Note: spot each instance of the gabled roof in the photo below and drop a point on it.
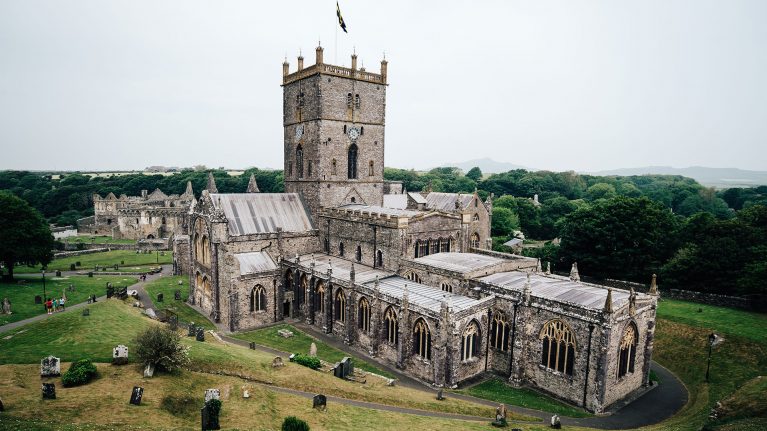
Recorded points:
(253, 213)
(417, 198)
(157, 195)
(446, 201)
(255, 262)
(396, 212)
(422, 295)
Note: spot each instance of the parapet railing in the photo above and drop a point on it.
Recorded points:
(329, 69)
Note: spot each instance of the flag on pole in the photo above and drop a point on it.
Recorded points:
(340, 18)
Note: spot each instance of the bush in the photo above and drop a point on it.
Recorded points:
(79, 373)
(307, 361)
(293, 423)
(162, 347)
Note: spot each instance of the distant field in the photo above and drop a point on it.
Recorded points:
(127, 260)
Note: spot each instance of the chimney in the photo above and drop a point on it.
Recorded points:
(319, 55)
(300, 61)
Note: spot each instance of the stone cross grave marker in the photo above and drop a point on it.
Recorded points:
(120, 355)
(319, 402)
(49, 391)
(136, 395)
(50, 367)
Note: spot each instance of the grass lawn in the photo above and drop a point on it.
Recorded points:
(496, 389)
(133, 262)
(22, 296)
(98, 239)
(300, 343)
(167, 285)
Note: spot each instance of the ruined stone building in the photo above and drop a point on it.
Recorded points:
(407, 277)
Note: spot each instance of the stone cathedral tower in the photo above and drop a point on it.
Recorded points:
(333, 118)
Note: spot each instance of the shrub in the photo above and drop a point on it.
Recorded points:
(79, 373)
(162, 347)
(307, 361)
(293, 423)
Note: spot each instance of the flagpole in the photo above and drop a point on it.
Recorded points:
(335, 48)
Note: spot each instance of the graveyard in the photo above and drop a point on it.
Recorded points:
(126, 261)
(167, 286)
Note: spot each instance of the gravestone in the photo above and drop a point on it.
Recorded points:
(173, 322)
(116, 267)
(110, 291)
(93, 298)
(58, 273)
(200, 334)
(313, 350)
(338, 370)
(500, 416)
(192, 330)
(38, 299)
(252, 345)
(78, 263)
(209, 416)
(348, 366)
(555, 422)
(160, 297)
(71, 288)
(122, 293)
(149, 370)
(319, 402)
(177, 295)
(72, 267)
(284, 333)
(246, 394)
(440, 396)
(86, 311)
(90, 274)
(6, 306)
(136, 395)
(49, 391)
(212, 394)
(277, 362)
(150, 312)
(50, 367)
(120, 355)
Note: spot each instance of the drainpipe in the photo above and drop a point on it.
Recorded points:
(588, 365)
(513, 338)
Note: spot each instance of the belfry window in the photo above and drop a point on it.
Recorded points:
(422, 339)
(333, 167)
(349, 100)
(627, 353)
(357, 101)
(341, 249)
(300, 161)
(558, 347)
(309, 169)
(358, 254)
(352, 168)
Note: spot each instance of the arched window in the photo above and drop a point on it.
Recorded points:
(363, 315)
(444, 245)
(447, 287)
(499, 331)
(476, 202)
(303, 292)
(423, 248)
(258, 299)
(340, 306)
(348, 100)
(319, 297)
(358, 254)
(422, 339)
(341, 249)
(205, 250)
(352, 171)
(379, 259)
(470, 341)
(412, 276)
(558, 347)
(628, 348)
(392, 327)
(475, 240)
(434, 246)
(300, 161)
(356, 100)
(475, 218)
(370, 168)
(333, 167)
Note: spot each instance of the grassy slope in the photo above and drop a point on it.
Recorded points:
(22, 296)
(100, 239)
(168, 286)
(133, 261)
(300, 343)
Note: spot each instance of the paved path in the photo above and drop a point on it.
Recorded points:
(145, 300)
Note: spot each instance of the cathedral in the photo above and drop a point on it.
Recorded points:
(407, 277)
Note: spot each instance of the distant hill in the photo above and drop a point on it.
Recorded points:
(712, 177)
(487, 165)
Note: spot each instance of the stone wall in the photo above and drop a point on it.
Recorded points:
(708, 298)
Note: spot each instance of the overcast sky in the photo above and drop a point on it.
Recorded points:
(561, 85)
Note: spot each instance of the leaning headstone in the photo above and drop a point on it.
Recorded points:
(313, 350)
(136, 395)
(120, 355)
(86, 311)
(346, 362)
(38, 299)
(177, 295)
(319, 402)
(150, 312)
(160, 297)
(49, 391)
(200, 334)
(277, 362)
(440, 395)
(555, 422)
(149, 370)
(50, 367)
(192, 330)
(212, 394)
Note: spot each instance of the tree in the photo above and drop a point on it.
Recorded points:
(505, 222)
(26, 237)
(600, 191)
(161, 347)
(625, 238)
(474, 173)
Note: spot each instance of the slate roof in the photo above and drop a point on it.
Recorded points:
(342, 268)
(446, 201)
(419, 294)
(417, 198)
(558, 288)
(253, 213)
(513, 242)
(380, 210)
(398, 201)
(255, 262)
(459, 262)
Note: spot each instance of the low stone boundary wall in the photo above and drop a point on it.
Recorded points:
(708, 298)
(61, 254)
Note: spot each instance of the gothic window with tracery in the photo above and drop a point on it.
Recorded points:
(422, 339)
(392, 326)
(499, 331)
(412, 276)
(319, 297)
(444, 245)
(340, 305)
(627, 353)
(470, 341)
(558, 347)
(363, 321)
(258, 299)
(475, 240)
(447, 287)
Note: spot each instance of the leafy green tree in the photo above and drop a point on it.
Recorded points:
(474, 173)
(625, 238)
(551, 212)
(26, 237)
(600, 191)
(504, 222)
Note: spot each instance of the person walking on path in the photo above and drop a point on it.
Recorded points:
(55, 305)
(61, 304)
(48, 305)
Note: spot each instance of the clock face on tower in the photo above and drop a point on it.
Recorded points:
(354, 133)
(299, 131)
